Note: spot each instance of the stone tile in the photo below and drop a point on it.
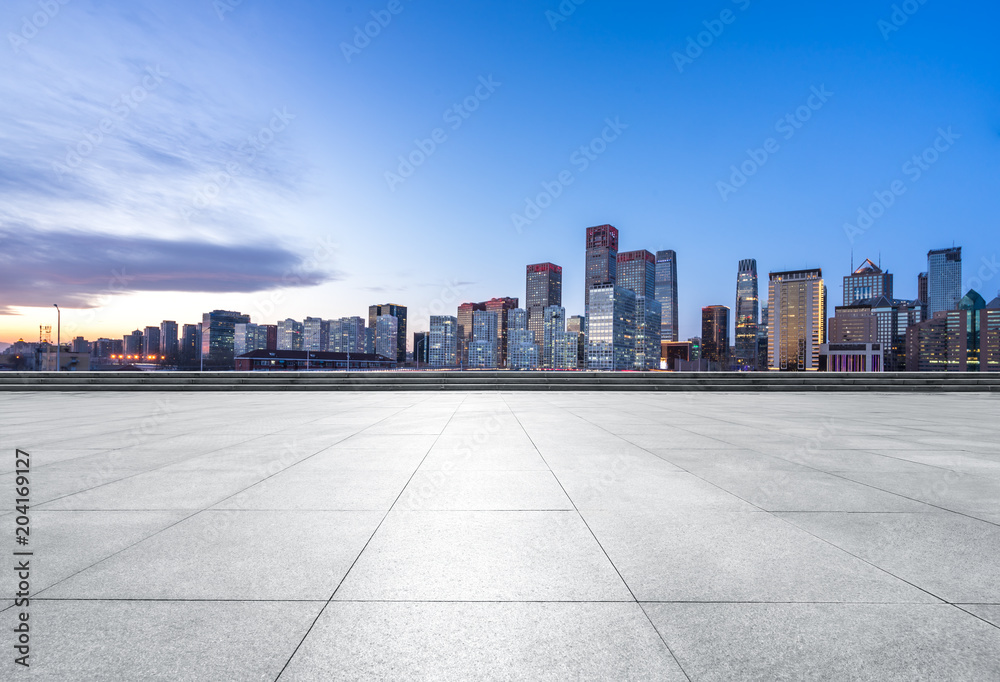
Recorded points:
(949, 555)
(170, 641)
(237, 555)
(735, 556)
(297, 488)
(968, 493)
(988, 612)
(827, 641)
(483, 491)
(531, 641)
(483, 556)
(622, 489)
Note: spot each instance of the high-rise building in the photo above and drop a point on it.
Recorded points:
(867, 281)
(577, 325)
(554, 324)
(747, 302)
(81, 345)
(797, 329)
(989, 357)
(881, 321)
(316, 334)
(565, 350)
(399, 312)
(169, 343)
(290, 334)
(647, 333)
(762, 333)
(421, 346)
(218, 329)
(715, 336)
(151, 343)
(543, 288)
(611, 328)
(601, 265)
(484, 349)
(922, 288)
(190, 346)
(944, 280)
(443, 348)
(666, 294)
(637, 271)
(522, 351)
(501, 306)
(244, 335)
(961, 340)
(465, 312)
(348, 335)
(386, 336)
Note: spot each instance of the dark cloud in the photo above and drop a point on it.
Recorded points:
(77, 269)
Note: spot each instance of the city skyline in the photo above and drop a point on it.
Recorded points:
(164, 217)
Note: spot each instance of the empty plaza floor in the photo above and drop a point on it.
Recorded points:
(515, 535)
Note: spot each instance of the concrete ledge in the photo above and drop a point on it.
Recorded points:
(498, 380)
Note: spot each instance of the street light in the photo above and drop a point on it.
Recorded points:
(58, 337)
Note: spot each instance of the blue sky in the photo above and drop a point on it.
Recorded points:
(244, 153)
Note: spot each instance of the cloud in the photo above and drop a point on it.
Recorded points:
(77, 269)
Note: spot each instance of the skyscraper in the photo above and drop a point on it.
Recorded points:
(133, 343)
(762, 332)
(501, 306)
(465, 311)
(648, 314)
(944, 280)
(543, 287)
(554, 326)
(577, 325)
(348, 335)
(611, 328)
(443, 347)
(666, 293)
(522, 351)
(218, 330)
(399, 312)
(602, 258)
(797, 329)
(715, 335)
(922, 288)
(316, 334)
(421, 345)
(867, 281)
(484, 349)
(637, 271)
(747, 301)
(190, 343)
(151, 343)
(168, 340)
(289, 334)
(386, 336)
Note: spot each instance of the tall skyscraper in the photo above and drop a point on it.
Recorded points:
(399, 312)
(762, 332)
(522, 351)
(747, 301)
(577, 326)
(421, 346)
(648, 313)
(501, 306)
(386, 336)
(151, 343)
(554, 325)
(465, 312)
(666, 293)
(316, 334)
(543, 287)
(190, 344)
(944, 280)
(715, 335)
(348, 335)
(867, 281)
(218, 329)
(484, 350)
(611, 328)
(797, 329)
(169, 345)
(601, 265)
(637, 271)
(290, 334)
(922, 288)
(443, 348)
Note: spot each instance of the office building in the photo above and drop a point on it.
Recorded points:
(169, 343)
(647, 333)
(522, 351)
(543, 288)
(316, 335)
(190, 346)
(465, 312)
(882, 321)
(637, 271)
(666, 294)
(483, 350)
(443, 348)
(566, 350)
(601, 259)
(797, 328)
(922, 288)
(867, 281)
(250, 337)
(290, 334)
(133, 343)
(348, 335)
(715, 336)
(577, 324)
(762, 332)
(386, 336)
(81, 345)
(961, 340)
(611, 328)
(399, 312)
(554, 325)
(502, 307)
(747, 302)
(421, 348)
(218, 331)
(989, 324)
(944, 280)
(151, 344)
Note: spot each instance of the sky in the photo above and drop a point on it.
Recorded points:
(159, 160)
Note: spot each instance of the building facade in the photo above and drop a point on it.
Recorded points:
(218, 330)
(554, 326)
(484, 351)
(442, 350)
(421, 348)
(666, 293)
(169, 341)
(502, 307)
(316, 334)
(746, 311)
(944, 280)
(543, 288)
(465, 312)
(290, 334)
(601, 265)
(611, 328)
(387, 336)
(867, 281)
(637, 271)
(797, 319)
(715, 336)
(647, 333)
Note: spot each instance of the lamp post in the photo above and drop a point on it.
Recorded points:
(58, 337)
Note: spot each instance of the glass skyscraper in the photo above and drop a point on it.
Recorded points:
(443, 348)
(797, 325)
(386, 336)
(483, 351)
(867, 281)
(666, 293)
(218, 337)
(602, 258)
(399, 312)
(747, 302)
(637, 271)
(611, 328)
(543, 287)
(715, 335)
(944, 280)
(648, 314)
